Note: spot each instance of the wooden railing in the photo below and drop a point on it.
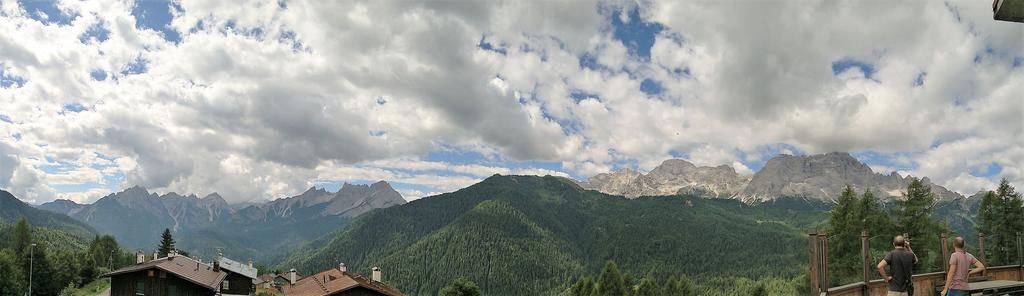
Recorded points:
(924, 284)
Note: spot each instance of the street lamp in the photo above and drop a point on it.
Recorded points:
(31, 259)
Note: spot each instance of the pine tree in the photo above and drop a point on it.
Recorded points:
(22, 239)
(870, 215)
(460, 287)
(166, 243)
(583, 287)
(647, 287)
(845, 227)
(610, 282)
(679, 286)
(990, 216)
(1013, 221)
(759, 290)
(11, 280)
(914, 217)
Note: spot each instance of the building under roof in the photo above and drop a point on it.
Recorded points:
(177, 275)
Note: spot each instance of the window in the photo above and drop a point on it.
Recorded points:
(224, 285)
(140, 288)
(172, 290)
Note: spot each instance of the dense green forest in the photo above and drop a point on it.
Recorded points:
(59, 262)
(528, 235)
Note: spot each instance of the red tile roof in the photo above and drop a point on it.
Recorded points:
(333, 281)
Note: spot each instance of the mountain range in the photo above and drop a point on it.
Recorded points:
(821, 176)
(531, 235)
(136, 217)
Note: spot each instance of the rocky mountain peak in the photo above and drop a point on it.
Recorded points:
(673, 176)
(820, 176)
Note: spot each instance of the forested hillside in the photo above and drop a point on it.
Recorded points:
(527, 235)
(12, 209)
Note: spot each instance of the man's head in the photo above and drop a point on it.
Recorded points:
(899, 242)
(958, 242)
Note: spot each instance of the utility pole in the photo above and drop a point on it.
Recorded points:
(31, 261)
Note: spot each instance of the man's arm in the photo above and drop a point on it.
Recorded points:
(978, 268)
(949, 278)
(912, 252)
(881, 270)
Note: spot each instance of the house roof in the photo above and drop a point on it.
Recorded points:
(333, 281)
(182, 267)
(237, 267)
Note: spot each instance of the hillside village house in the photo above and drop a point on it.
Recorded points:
(177, 275)
(337, 282)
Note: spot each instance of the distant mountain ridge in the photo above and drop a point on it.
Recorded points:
(136, 217)
(13, 209)
(821, 176)
(531, 235)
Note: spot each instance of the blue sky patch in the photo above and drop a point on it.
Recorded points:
(589, 61)
(98, 74)
(636, 34)
(46, 11)
(74, 107)
(490, 47)
(98, 32)
(135, 67)
(156, 15)
(289, 37)
(919, 80)
(650, 87)
(842, 65)
(8, 80)
(5, 118)
(579, 95)
(988, 172)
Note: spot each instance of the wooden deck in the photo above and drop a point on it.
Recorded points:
(924, 284)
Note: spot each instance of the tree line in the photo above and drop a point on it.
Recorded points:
(1000, 217)
(55, 270)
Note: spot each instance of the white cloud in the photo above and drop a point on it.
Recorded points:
(286, 97)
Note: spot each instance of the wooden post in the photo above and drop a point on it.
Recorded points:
(945, 251)
(813, 241)
(824, 259)
(865, 254)
(981, 246)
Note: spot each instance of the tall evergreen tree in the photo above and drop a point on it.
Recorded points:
(647, 287)
(610, 282)
(1013, 211)
(11, 280)
(166, 243)
(22, 238)
(914, 217)
(679, 286)
(990, 214)
(870, 216)
(460, 287)
(583, 287)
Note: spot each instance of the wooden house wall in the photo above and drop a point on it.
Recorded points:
(155, 283)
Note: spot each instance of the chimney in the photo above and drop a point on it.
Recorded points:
(376, 274)
(155, 255)
(216, 266)
(291, 276)
(250, 262)
(140, 257)
(342, 267)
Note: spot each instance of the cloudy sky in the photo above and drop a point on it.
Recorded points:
(265, 99)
